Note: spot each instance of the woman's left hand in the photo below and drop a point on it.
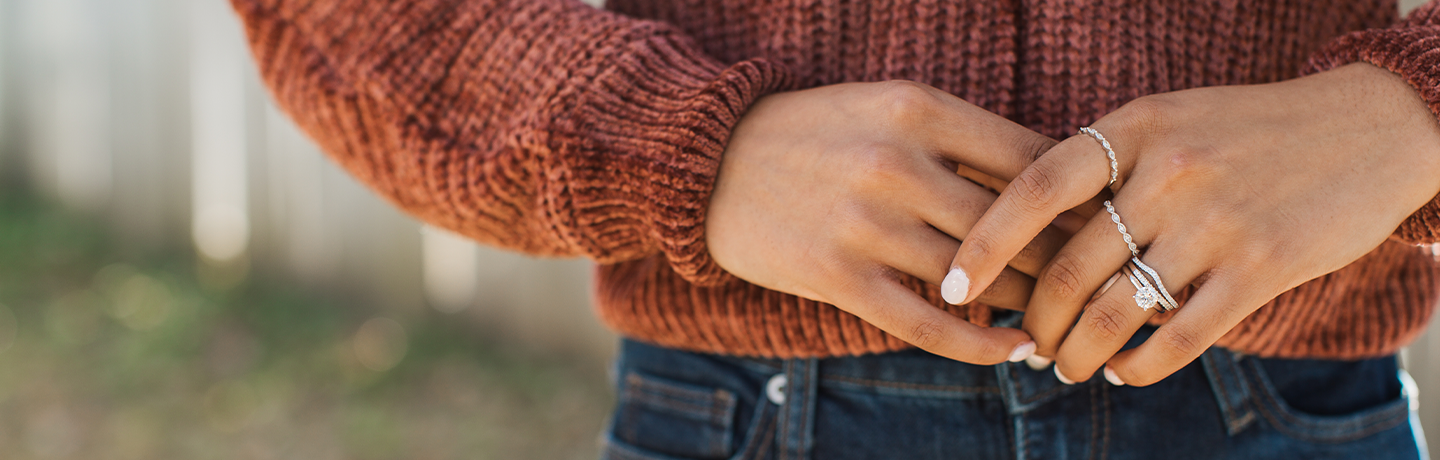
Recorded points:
(1243, 191)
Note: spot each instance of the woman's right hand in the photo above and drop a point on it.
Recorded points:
(833, 193)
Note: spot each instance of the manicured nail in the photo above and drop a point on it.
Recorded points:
(1062, 378)
(1023, 351)
(1038, 363)
(955, 287)
(1113, 377)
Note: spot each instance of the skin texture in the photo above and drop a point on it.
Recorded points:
(834, 193)
(1244, 192)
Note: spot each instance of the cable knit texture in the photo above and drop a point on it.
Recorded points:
(556, 129)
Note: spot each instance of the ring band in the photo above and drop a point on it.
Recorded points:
(1115, 217)
(1149, 290)
(1109, 152)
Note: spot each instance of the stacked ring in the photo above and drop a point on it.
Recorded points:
(1149, 290)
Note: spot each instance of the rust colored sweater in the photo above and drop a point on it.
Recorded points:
(556, 129)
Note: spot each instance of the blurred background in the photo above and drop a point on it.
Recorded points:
(183, 275)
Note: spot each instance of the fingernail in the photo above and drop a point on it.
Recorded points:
(1023, 351)
(955, 287)
(1062, 378)
(1037, 362)
(1113, 377)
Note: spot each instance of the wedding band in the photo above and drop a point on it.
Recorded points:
(1109, 152)
(1149, 290)
(1115, 217)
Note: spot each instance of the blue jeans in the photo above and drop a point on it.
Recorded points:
(913, 405)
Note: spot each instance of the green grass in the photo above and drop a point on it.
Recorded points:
(106, 358)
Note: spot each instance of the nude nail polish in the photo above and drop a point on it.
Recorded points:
(1062, 378)
(1113, 377)
(1038, 363)
(1022, 351)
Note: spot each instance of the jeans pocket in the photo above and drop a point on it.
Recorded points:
(1318, 388)
(660, 419)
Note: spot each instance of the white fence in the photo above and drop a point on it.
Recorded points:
(150, 112)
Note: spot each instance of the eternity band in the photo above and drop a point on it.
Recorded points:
(1109, 152)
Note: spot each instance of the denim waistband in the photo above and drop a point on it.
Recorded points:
(780, 416)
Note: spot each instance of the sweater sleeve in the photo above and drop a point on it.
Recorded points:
(543, 126)
(1411, 49)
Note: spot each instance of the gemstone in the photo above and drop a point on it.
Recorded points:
(1147, 297)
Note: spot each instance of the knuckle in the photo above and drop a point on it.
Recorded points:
(1005, 283)
(1146, 117)
(1038, 187)
(1062, 277)
(1106, 320)
(1180, 344)
(1033, 146)
(988, 351)
(926, 334)
(906, 102)
(978, 247)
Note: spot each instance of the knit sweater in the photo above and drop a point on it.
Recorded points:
(556, 129)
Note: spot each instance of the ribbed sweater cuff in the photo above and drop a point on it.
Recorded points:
(1414, 54)
(646, 144)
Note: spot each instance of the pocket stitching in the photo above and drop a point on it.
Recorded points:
(672, 399)
(1271, 407)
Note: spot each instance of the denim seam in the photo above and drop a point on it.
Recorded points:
(1105, 438)
(1044, 395)
(785, 413)
(1369, 424)
(761, 431)
(1095, 421)
(715, 412)
(912, 386)
(1379, 417)
(619, 451)
(807, 431)
(1220, 368)
(639, 384)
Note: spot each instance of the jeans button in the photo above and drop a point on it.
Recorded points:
(775, 389)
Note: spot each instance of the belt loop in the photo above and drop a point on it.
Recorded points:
(797, 415)
(1230, 389)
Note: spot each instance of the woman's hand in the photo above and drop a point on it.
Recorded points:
(833, 193)
(1244, 192)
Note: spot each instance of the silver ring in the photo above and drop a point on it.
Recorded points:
(1109, 152)
(1149, 290)
(1115, 217)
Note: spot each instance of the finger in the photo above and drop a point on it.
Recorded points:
(896, 310)
(1109, 322)
(964, 133)
(1065, 177)
(1220, 304)
(924, 254)
(1011, 290)
(1076, 272)
(954, 205)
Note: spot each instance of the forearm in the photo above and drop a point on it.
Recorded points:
(544, 126)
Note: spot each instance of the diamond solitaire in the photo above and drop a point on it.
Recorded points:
(1146, 297)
